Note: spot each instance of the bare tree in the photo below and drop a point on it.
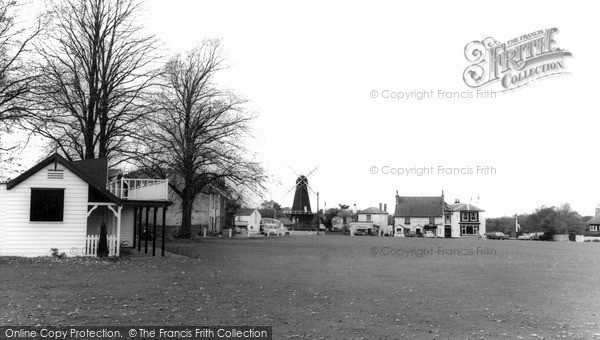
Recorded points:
(96, 66)
(196, 137)
(15, 81)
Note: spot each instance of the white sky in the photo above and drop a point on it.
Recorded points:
(308, 68)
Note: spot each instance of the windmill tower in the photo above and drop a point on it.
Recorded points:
(301, 199)
(301, 212)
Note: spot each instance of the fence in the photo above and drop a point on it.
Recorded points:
(91, 245)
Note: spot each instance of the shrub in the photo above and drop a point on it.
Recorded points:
(547, 236)
(56, 254)
(103, 242)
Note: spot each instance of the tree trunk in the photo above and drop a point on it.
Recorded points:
(187, 205)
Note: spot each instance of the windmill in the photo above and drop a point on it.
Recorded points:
(301, 211)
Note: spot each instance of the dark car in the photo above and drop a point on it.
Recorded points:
(497, 235)
(360, 232)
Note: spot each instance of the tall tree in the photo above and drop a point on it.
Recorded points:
(96, 66)
(270, 205)
(15, 80)
(196, 136)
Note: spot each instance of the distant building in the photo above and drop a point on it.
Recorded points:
(594, 223)
(378, 216)
(422, 214)
(247, 220)
(464, 219)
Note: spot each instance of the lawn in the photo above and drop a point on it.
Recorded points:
(324, 287)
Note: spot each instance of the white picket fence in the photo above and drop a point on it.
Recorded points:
(91, 245)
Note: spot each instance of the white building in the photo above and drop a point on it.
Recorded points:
(59, 204)
(421, 214)
(378, 216)
(247, 220)
(465, 220)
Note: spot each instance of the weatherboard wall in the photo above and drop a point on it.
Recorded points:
(21, 237)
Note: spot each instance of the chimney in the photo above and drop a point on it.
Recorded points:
(385, 207)
(456, 200)
(380, 206)
(598, 210)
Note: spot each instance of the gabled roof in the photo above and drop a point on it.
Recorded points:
(419, 206)
(463, 207)
(372, 211)
(245, 212)
(69, 165)
(594, 220)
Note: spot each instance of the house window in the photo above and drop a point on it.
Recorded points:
(448, 219)
(469, 230)
(368, 217)
(593, 228)
(407, 220)
(473, 217)
(47, 205)
(432, 220)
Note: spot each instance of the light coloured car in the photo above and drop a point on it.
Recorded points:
(497, 235)
(525, 237)
(429, 233)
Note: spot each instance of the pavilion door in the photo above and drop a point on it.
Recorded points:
(448, 231)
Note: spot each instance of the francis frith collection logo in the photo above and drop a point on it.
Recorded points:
(516, 62)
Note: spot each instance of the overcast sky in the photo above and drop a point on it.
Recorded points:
(309, 69)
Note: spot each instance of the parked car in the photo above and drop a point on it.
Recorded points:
(360, 232)
(536, 236)
(525, 237)
(497, 235)
(429, 233)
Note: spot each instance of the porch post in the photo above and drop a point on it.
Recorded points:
(141, 209)
(154, 233)
(119, 211)
(134, 225)
(146, 231)
(163, 230)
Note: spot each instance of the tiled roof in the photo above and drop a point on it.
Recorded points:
(372, 211)
(595, 220)
(419, 206)
(463, 207)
